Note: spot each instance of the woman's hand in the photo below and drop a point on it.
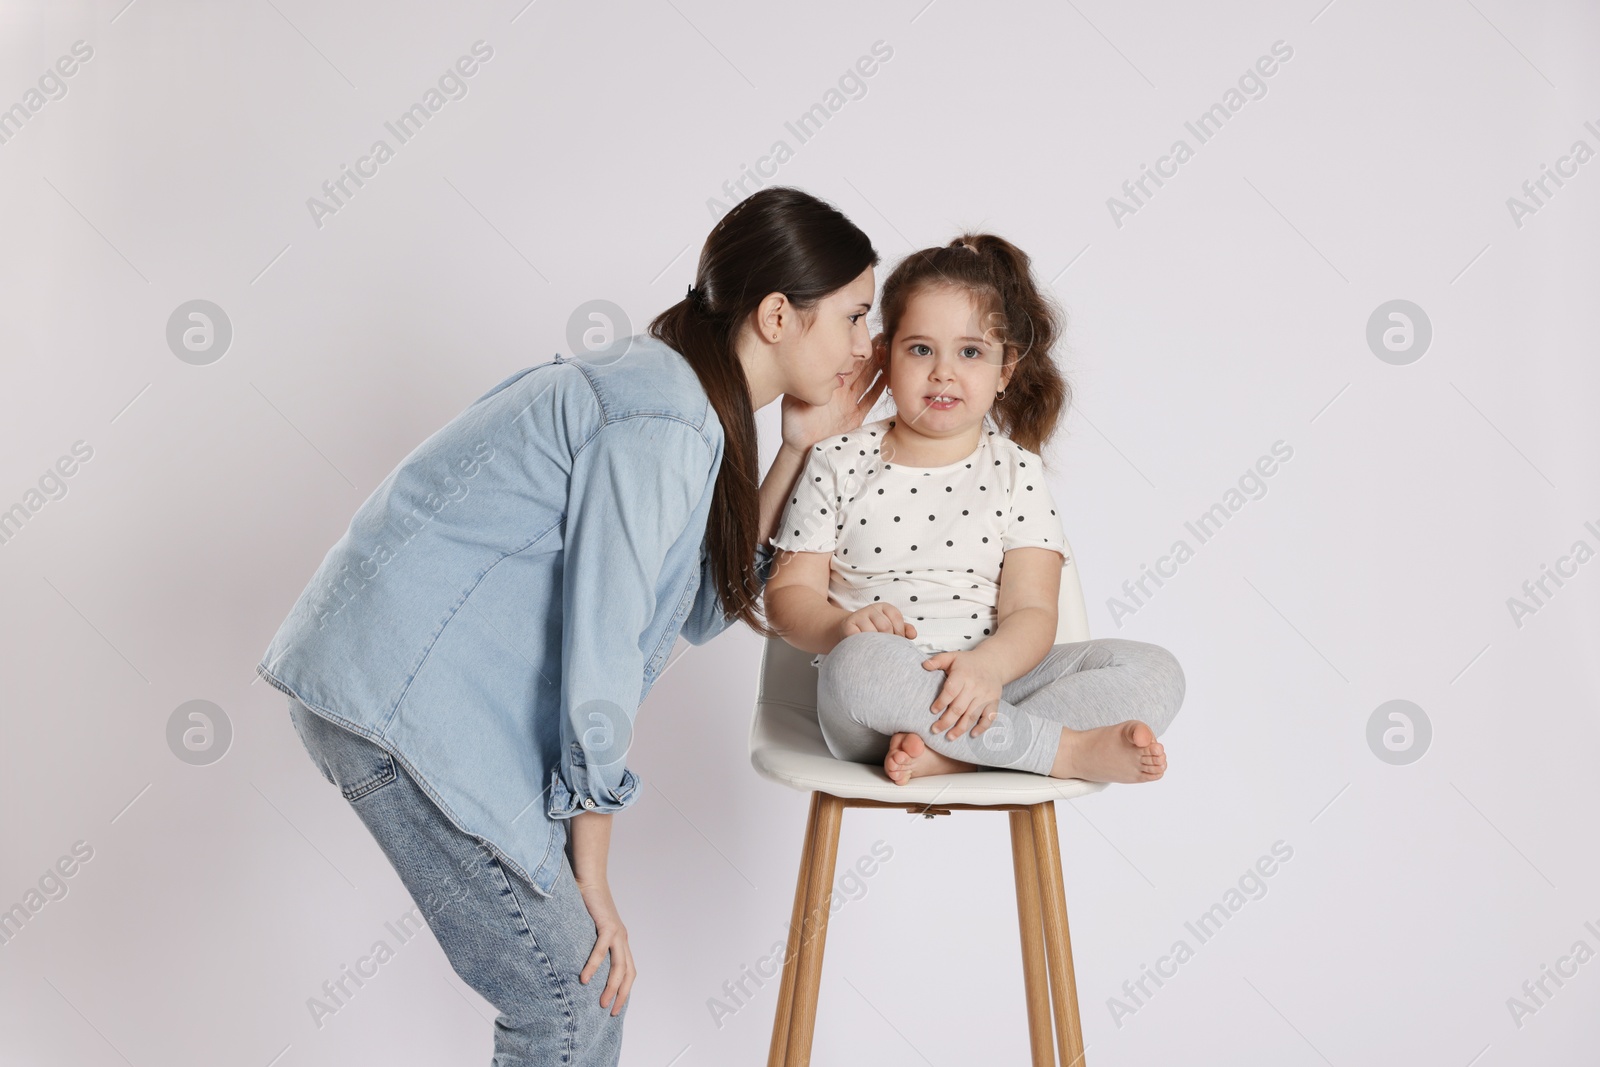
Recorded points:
(806, 424)
(612, 937)
(970, 697)
(876, 618)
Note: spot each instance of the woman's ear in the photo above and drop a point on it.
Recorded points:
(771, 315)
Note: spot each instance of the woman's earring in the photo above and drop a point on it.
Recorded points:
(1000, 394)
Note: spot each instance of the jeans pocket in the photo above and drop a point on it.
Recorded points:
(355, 764)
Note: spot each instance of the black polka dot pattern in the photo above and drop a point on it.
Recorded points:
(950, 555)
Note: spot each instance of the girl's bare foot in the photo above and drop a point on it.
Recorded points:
(1126, 752)
(910, 757)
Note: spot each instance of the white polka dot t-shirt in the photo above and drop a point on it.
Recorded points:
(929, 540)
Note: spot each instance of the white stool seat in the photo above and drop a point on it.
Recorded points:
(786, 746)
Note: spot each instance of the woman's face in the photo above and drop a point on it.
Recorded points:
(943, 350)
(823, 357)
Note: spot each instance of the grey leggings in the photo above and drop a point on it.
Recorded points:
(872, 685)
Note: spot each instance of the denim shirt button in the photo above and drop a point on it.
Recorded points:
(588, 802)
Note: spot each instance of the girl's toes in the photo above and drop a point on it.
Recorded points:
(897, 764)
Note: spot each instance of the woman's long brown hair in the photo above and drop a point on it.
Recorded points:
(779, 240)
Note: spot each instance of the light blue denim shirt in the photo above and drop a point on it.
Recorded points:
(502, 603)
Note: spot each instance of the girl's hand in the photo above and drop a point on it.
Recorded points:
(971, 694)
(806, 424)
(876, 618)
(611, 936)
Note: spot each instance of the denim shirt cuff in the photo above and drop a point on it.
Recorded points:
(566, 802)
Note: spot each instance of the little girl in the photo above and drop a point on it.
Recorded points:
(897, 533)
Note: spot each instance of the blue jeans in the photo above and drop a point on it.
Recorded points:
(522, 951)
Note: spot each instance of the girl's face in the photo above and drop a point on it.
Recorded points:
(942, 350)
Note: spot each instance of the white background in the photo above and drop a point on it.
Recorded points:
(1228, 313)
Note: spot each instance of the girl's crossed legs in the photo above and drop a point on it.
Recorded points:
(1090, 709)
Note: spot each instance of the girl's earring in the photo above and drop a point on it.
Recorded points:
(1000, 394)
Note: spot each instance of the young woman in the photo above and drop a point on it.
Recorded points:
(922, 553)
(467, 661)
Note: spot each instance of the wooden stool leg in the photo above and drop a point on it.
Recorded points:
(791, 955)
(1030, 920)
(819, 893)
(1057, 940)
